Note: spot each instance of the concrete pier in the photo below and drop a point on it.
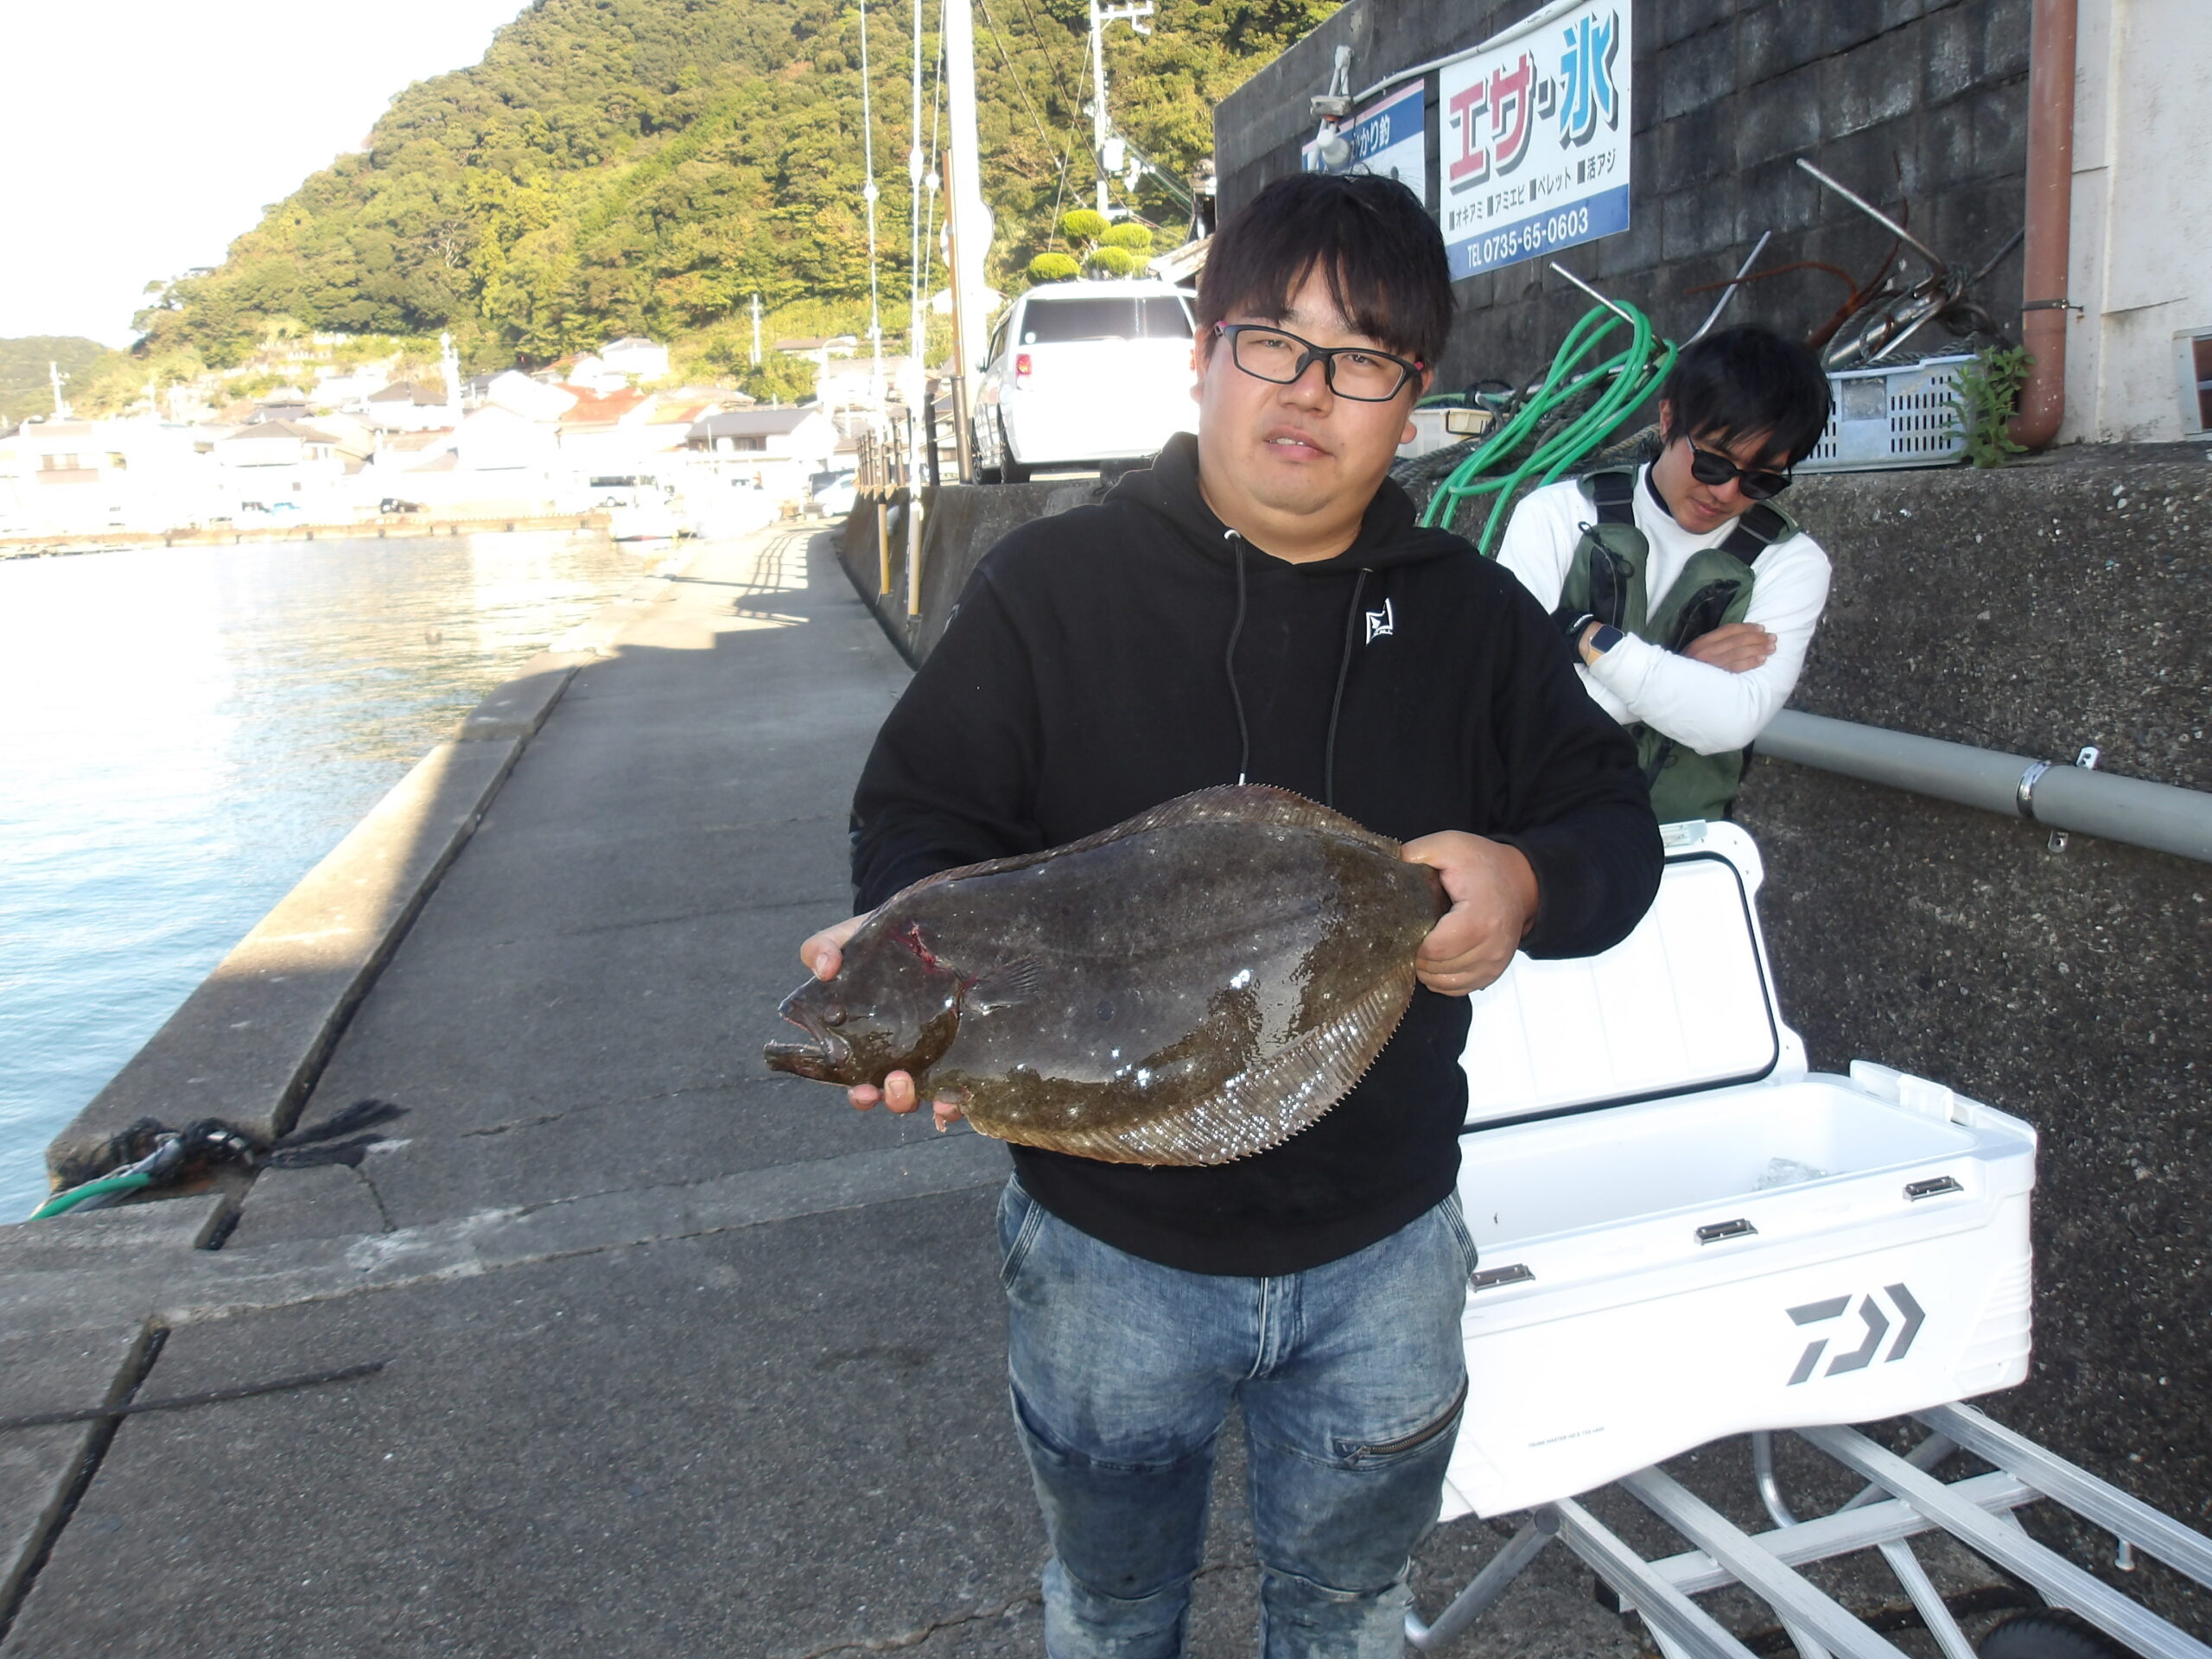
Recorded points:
(680, 1357)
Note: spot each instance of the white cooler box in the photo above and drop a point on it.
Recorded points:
(1684, 1234)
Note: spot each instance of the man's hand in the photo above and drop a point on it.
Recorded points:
(1737, 646)
(823, 953)
(1493, 894)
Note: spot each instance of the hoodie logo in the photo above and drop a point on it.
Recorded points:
(1380, 623)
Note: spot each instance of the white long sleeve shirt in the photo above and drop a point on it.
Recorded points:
(1708, 709)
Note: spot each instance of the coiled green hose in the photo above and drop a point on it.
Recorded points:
(1620, 383)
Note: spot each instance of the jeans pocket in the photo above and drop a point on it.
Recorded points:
(1366, 1454)
(1020, 1218)
(1455, 1217)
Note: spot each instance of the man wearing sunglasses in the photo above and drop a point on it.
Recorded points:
(1261, 606)
(1689, 595)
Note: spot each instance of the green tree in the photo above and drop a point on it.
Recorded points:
(1084, 225)
(616, 166)
(780, 378)
(25, 385)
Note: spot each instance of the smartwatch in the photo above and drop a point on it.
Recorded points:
(1602, 639)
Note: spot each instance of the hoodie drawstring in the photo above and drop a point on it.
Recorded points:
(1337, 702)
(1228, 662)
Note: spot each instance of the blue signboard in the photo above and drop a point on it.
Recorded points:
(1387, 138)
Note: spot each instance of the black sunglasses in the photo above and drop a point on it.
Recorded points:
(1279, 357)
(1712, 469)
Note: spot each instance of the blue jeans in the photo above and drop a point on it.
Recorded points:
(1350, 1377)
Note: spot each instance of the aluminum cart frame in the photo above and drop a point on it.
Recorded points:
(1902, 1498)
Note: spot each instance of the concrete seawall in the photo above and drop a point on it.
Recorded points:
(960, 524)
(2058, 602)
(397, 528)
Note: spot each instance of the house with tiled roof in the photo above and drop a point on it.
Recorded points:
(612, 431)
(408, 406)
(776, 448)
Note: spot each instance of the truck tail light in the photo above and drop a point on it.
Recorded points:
(1021, 369)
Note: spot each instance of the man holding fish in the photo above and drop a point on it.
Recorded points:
(1259, 609)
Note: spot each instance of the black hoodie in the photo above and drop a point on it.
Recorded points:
(1089, 673)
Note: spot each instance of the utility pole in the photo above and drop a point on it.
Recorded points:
(53, 373)
(918, 423)
(1102, 128)
(756, 330)
(868, 194)
(449, 368)
(967, 222)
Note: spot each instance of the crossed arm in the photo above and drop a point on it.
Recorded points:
(1718, 693)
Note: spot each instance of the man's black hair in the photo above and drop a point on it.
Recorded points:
(1384, 260)
(1749, 382)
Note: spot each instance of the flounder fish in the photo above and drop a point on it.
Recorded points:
(1192, 985)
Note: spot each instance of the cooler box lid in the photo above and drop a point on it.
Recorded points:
(1685, 1003)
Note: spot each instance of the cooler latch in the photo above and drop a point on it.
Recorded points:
(1932, 1186)
(1713, 1231)
(1491, 1278)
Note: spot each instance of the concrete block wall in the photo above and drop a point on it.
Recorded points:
(960, 524)
(1915, 104)
(2057, 603)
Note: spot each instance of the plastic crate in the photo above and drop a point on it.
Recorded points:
(1903, 416)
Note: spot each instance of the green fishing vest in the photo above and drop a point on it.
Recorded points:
(1606, 579)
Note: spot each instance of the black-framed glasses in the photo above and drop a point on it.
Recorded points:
(1713, 469)
(1359, 373)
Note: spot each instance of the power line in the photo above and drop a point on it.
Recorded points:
(992, 24)
(1037, 33)
(868, 194)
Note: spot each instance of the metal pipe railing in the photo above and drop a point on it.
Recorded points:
(2056, 795)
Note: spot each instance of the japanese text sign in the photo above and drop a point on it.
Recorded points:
(1533, 152)
(1387, 138)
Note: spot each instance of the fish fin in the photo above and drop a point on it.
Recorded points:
(1004, 986)
(1222, 803)
(1251, 803)
(1255, 1110)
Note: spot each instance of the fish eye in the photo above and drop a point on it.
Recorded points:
(833, 1014)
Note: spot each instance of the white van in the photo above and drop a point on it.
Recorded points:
(1083, 372)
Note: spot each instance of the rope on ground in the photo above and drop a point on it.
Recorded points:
(207, 1397)
(1558, 424)
(148, 1154)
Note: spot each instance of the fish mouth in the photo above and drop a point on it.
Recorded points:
(822, 1059)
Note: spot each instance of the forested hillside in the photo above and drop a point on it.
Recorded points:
(25, 385)
(645, 165)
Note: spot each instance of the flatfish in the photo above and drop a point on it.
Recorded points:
(1192, 985)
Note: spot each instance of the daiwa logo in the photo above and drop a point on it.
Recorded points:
(1380, 623)
(1878, 1327)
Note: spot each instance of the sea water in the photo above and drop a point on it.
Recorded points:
(184, 732)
